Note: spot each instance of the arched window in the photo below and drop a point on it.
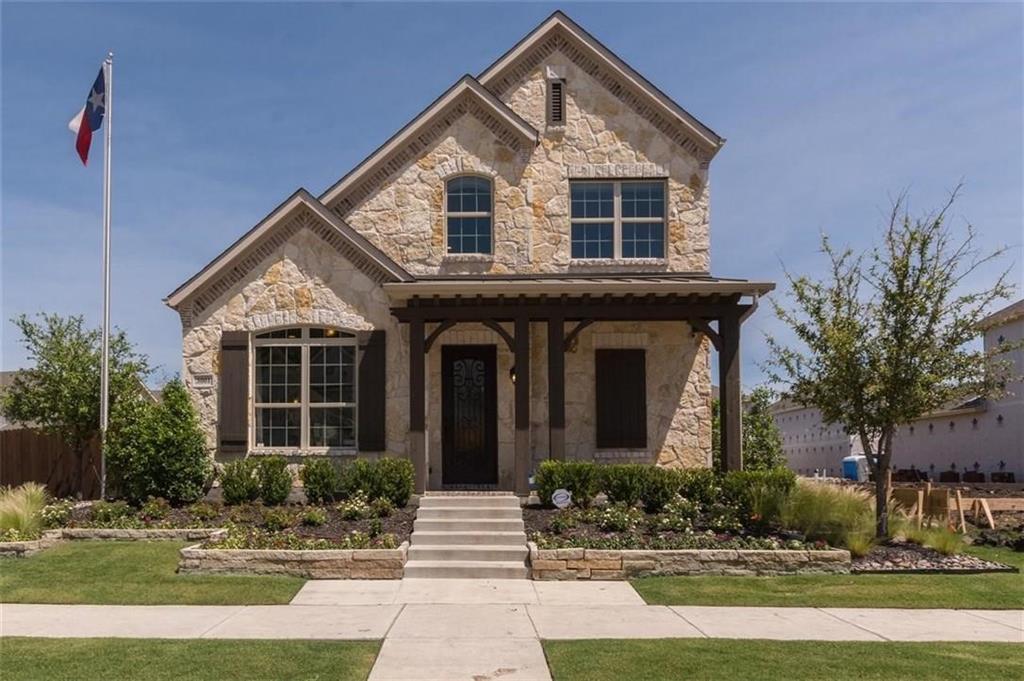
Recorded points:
(468, 214)
(304, 384)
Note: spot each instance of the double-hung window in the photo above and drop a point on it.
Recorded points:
(617, 219)
(468, 215)
(305, 388)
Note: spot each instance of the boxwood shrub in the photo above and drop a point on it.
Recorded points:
(239, 483)
(320, 480)
(581, 478)
(624, 483)
(388, 478)
(275, 480)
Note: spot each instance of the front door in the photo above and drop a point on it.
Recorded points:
(469, 415)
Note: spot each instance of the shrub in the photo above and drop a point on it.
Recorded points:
(376, 528)
(722, 518)
(860, 544)
(700, 485)
(564, 520)
(277, 519)
(661, 485)
(203, 511)
(759, 496)
(387, 478)
(382, 508)
(624, 483)
(275, 480)
(678, 515)
(355, 507)
(581, 478)
(155, 508)
(617, 518)
(158, 449)
(21, 511)
(314, 516)
(57, 513)
(105, 512)
(320, 480)
(239, 483)
(396, 479)
(829, 513)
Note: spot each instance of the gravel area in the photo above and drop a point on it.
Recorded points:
(908, 557)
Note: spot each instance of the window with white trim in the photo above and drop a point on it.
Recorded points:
(617, 219)
(468, 214)
(304, 384)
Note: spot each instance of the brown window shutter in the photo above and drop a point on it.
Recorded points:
(233, 424)
(621, 392)
(371, 390)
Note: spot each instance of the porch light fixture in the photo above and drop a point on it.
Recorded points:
(512, 375)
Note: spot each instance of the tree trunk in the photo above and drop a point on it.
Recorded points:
(882, 485)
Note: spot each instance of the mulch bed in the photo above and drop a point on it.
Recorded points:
(399, 523)
(913, 558)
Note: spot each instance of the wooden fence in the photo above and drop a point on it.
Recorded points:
(29, 456)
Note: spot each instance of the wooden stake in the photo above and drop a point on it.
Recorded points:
(960, 512)
(988, 513)
(919, 516)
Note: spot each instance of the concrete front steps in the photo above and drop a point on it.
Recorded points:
(468, 536)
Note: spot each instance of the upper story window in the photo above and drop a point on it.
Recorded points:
(304, 382)
(468, 214)
(617, 219)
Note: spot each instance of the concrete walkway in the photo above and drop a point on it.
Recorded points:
(492, 629)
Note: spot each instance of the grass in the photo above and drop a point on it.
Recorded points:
(130, 573)
(107, 659)
(706, 660)
(992, 590)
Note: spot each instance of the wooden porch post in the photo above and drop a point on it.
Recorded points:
(556, 387)
(730, 392)
(522, 366)
(417, 411)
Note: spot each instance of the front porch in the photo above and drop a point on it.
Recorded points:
(521, 313)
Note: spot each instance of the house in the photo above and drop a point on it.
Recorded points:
(974, 435)
(521, 272)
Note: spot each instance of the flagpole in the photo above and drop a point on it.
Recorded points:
(108, 113)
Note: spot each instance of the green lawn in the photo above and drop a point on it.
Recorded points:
(992, 590)
(113, 659)
(707, 660)
(129, 573)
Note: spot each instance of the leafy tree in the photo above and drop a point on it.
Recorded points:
(762, 443)
(60, 394)
(886, 334)
(158, 450)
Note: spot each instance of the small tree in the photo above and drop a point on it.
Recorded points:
(886, 335)
(60, 394)
(762, 443)
(158, 450)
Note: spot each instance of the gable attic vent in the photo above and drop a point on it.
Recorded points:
(556, 102)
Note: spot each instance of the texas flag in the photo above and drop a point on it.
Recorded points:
(90, 118)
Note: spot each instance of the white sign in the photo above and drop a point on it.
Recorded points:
(561, 498)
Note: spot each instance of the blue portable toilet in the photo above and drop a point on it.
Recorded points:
(855, 467)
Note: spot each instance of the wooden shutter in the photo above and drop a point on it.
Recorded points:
(371, 391)
(621, 389)
(233, 421)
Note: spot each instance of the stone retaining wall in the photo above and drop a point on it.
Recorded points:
(572, 564)
(319, 564)
(20, 549)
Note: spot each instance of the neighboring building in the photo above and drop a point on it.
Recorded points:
(986, 432)
(521, 272)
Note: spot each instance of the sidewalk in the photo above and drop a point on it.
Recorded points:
(453, 629)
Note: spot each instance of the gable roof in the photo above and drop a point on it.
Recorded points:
(507, 125)
(605, 65)
(1010, 313)
(300, 209)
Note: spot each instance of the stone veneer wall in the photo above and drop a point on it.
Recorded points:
(319, 564)
(601, 136)
(52, 537)
(574, 563)
(303, 282)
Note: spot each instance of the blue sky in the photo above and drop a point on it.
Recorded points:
(224, 109)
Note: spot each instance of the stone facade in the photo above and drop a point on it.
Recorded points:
(573, 564)
(303, 280)
(320, 564)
